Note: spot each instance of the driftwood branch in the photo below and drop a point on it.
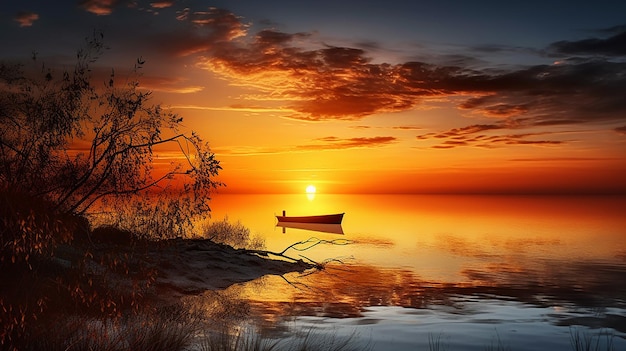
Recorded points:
(312, 242)
(303, 246)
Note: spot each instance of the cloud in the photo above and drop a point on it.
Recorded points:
(484, 106)
(563, 159)
(407, 128)
(340, 83)
(493, 48)
(577, 92)
(611, 46)
(325, 82)
(481, 135)
(178, 90)
(320, 144)
(201, 32)
(621, 130)
(223, 24)
(460, 132)
(26, 19)
(334, 143)
(235, 107)
(183, 14)
(168, 85)
(404, 128)
(162, 4)
(106, 7)
(99, 7)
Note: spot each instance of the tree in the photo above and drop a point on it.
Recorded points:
(44, 115)
(68, 146)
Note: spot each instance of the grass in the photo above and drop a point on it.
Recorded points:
(248, 339)
(498, 345)
(435, 343)
(237, 340)
(172, 328)
(165, 330)
(582, 341)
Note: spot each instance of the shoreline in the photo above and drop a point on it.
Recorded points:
(193, 266)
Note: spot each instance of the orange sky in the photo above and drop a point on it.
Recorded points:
(354, 101)
(370, 155)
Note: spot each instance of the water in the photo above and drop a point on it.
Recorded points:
(446, 272)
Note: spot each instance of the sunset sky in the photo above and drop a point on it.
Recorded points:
(369, 96)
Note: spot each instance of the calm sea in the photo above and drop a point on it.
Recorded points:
(408, 272)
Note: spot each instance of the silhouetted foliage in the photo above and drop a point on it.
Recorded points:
(73, 142)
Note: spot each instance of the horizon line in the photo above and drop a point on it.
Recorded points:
(442, 193)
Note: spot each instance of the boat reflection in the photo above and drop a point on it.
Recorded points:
(316, 227)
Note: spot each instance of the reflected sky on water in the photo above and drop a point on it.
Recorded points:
(470, 268)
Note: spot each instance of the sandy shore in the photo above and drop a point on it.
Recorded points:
(171, 268)
(192, 266)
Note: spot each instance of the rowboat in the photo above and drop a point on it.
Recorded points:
(327, 219)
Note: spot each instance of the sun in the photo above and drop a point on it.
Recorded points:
(311, 189)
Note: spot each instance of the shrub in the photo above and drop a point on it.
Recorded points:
(234, 234)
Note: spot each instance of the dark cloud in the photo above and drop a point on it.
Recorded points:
(407, 128)
(502, 49)
(484, 105)
(26, 19)
(483, 136)
(568, 93)
(369, 45)
(203, 31)
(321, 82)
(612, 46)
(614, 29)
(224, 25)
(334, 143)
(449, 144)
(461, 132)
(320, 144)
(563, 159)
(343, 58)
(621, 130)
(269, 38)
(393, 127)
(460, 60)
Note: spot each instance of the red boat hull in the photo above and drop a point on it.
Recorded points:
(327, 219)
